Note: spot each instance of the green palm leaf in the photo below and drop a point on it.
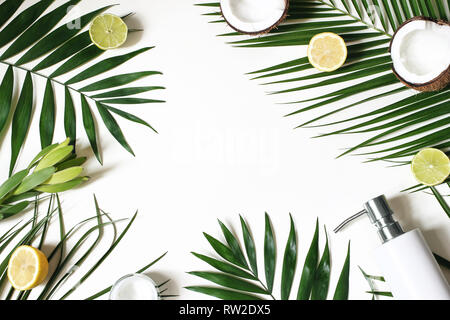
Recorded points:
(38, 29)
(289, 263)
(22, 21)
(239, 281)
(21, 120)
(47, 120)
(309, 267)
(58, 36)
(6, 92)
(46, 38)
(367, 26)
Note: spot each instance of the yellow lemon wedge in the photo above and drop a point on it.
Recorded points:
(27, 268)
(327, 51)
(430, 166)
(108, 31)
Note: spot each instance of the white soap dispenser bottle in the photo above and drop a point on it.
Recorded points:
(406, 261)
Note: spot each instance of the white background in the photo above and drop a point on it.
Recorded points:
(223, 149)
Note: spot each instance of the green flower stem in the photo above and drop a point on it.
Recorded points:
(356, 18)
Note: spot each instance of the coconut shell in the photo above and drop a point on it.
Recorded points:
(438, 83)
(261, 32)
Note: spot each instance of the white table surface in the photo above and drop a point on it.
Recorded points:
(223, 149)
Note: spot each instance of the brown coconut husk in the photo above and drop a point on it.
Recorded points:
(438, 83)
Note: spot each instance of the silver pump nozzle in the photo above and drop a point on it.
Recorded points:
(381, 216)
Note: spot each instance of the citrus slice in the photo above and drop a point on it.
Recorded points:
(327, 51)
(108, 31)
(27, 268)
(430, 166)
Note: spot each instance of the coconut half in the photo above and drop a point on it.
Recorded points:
(254, 16)
(420, 51)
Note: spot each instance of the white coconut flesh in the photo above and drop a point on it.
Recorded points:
(420, 51)
(252, 16)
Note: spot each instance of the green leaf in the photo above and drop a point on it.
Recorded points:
(64, 175)
(22, 21)
(224, 267)
(125, 92)
(322, 275)
(59, 36)
(269, 254)
(405, 7)
(7, 10)
(222, 250)
(229, 281)
(102, 259)
(234, 245)
(289, 263)
(89, 127)
(381, 293)
(38, 29)
(61, 187)
(6, 92)
(309, 268)
(223, 293)
(10, 184)
(54, 157)
(131, 101)
(342, 287)
(113, 127)
(41, 154)
(13, 210)
(368, 276)
(79, 59)
(21, 120)
(105, 65)
(71, 163)
(74, 45)
(249, 246)
(34, 180)
(129, 116)
(47, 120)
(116, 81)
(442, 261)
(70, 122)
(441, 200)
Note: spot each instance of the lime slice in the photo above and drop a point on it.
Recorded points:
(430, 166)
(108, 31)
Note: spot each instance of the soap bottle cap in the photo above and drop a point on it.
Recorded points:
(381, 216)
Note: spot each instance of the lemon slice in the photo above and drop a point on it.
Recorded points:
(108, 31)
(327, 51)
(27, 268)
(430, 166)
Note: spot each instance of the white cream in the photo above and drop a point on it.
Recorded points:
(134, 287)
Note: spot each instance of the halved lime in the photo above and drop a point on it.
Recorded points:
(430, 166)
(108, 31)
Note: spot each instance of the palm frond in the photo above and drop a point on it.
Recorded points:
(238, 278)
(367, 27)
(46, 41)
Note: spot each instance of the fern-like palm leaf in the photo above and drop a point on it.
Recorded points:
(34, 34)
(239, 278)
(398, 129)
